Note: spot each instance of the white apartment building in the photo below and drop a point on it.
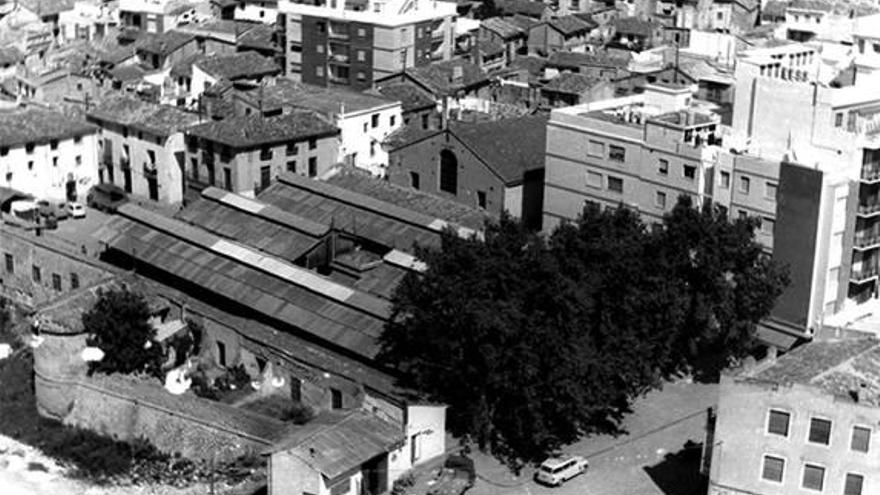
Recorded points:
(46, 154)
(158, 16)
(265, 11)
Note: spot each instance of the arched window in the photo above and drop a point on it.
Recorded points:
(448, 172)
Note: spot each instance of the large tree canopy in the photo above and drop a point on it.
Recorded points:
(118, 324)
(535, 341)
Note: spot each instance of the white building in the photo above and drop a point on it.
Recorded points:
(158, 16)
(88, 20)
(265, 11)
(46, 154)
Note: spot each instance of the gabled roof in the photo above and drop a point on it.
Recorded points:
(335, 443)
(510, 147)
(635, 25)
(261, 37)
(410, 98)
(164, 44)
(503, 27)
(775, 8)
(256, 130)
(163, 120)
(44, 8)
(564, 59)
(31, 124)
(570, 25)
(238, 65)
(441, 80)
(125, 73)
(329, 102)
(521, 21)
(525, 7)
(818, 5)
(571, 83)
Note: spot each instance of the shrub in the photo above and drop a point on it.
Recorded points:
(298, 414)
(403, 483)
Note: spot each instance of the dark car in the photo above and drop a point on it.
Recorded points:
(57, 209)
(456, 477)
(106, 197)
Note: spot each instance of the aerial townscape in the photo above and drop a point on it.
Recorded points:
(425, 247)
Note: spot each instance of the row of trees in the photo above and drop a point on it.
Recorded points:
(534, 341)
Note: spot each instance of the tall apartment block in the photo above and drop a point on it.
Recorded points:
(354, 42)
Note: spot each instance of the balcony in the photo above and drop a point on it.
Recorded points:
(337, 32)
(871, 173)
(865, 241)
(869, 210)
(125, 163)
(338, 57)
(864, 275)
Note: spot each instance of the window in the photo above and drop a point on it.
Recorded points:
(448, 172)
(373, 148)
(616, 153)
(853, 484)
(838, 119)
(814, 477)
(361, 75)
(481, 199)
(4, 150)
(743, 215)
(725, 180)
(663, 167)
(29, 148)
(820, 431)
(54, 161)
(773, 468)
(74, 281)
(660, 200)
(689, 172)
(362, 33)
(319, 71)
(30, 165)
(861, 439)
(53, 144)
(77, 139)
(319, 48)
(393, 120)
(425, 121)
(294, 48)
(720, 16)
(227, 177)
(615, 184)
(313, 143)
(35, 274)
(594, 179)
(595, 148)
(414, 180)
(266, 153)
(313, 166)
(374, 120)
(770, 190)
(361, 56)
(221, 353)
(291, 166)
(56, 282)
(78, 160)
(778, 422)
(265, 176)
(10, 263)
(335, 399)
(767, 225)
(744, 185)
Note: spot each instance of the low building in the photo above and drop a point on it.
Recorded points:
(241, 66)
(494, 166)
(568, 89)
(246, 154)
(364, 120)
(525, 8)
(264, 11)
(806, 421)
(142, 147)
(734, 16)
(158, 16)
(46, 154)
(88, 20)
(602, 65)
(52, 87)
(417, 108)
(160, 52)
(568, 33)
(634, 34)
(510, 35)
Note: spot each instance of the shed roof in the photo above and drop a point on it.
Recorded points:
(164, 44)
(411, 98)
(255, 130)
(510, 147)
(238, 65)
(600, 59)
(570, 24)
(525, 7)
(503, 27)
(335, 443)
(130, 111)
(442, 78)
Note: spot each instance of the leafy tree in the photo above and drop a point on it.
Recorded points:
(118, 325)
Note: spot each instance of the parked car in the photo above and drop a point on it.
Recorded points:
(455, 477)
(76, 210)
(57, 209)
(557, 470)
(106, 197)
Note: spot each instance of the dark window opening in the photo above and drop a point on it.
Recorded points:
(448, 172)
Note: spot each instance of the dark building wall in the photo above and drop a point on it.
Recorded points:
(423, 43)
(423, 158)
(797, 214)
(361, 41)
(533, 199)
(314, 36)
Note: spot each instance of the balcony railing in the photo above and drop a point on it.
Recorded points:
(339, 57)
(864, 274)
(866, 241)
(871, 173)
(870, 209)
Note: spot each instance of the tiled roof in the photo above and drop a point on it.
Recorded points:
(820, 5)
(260, 36)
(510, 147)
(22, 125)
(126, 73)
(44, 8)
(571, 83)
(534, 66)
(238, 274)
(255, 130)
(130, 111)
(219, 26)
(183, 67)
(502, 27)
(635, 25)
(263, 226)
(326, 101)
(410, 98)
(165, 43)
(335, 443)
(238, 65)
(600, 59)
(840, 367)
(489, 48)
(405, 197)
(775, 8)
(569, 24)
(408, 134)
(521, 21)
(439, 78)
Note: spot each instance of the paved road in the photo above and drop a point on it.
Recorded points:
(637, 463)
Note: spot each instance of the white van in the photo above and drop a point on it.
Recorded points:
(555, 470)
